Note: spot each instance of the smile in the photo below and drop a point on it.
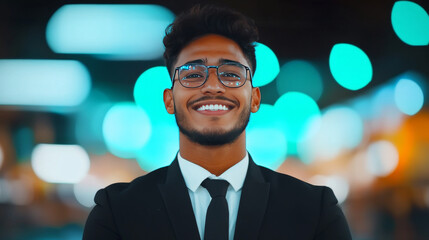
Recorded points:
(213, 107)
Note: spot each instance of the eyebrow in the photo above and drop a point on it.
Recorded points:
(197, 61)
(203, 61)
(223, 60)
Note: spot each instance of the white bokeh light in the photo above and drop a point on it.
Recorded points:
(56, 163)
(409, 97)
(110, 31)
(339, 185)
(339, 129)
(85, 190)
(385, 116)
(382, 158)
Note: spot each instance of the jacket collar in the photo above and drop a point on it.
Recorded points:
(178, 204)
(253, 203)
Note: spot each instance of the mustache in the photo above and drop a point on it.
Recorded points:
(205, 98)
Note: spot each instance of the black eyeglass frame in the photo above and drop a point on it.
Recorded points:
(217, 74)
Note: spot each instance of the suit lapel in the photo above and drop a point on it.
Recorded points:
(178, 204)
(253, 202)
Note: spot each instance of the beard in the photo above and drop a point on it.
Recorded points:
(215, 137)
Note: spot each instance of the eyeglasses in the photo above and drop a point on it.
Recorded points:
(233, 75)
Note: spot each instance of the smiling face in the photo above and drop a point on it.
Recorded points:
(212, 114)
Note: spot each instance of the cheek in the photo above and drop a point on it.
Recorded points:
(246, 97)
(180, 98)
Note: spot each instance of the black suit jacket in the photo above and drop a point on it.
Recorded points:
(272, 206)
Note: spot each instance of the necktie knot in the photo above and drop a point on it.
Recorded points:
(216, 188)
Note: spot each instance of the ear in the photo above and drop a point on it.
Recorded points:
(169, 101)
(256, 99)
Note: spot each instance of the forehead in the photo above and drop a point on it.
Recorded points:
(211, 48)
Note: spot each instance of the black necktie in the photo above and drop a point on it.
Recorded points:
(217, 219)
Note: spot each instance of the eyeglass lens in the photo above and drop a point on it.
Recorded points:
(231, 75)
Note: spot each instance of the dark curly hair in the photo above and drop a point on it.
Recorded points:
(210, 19)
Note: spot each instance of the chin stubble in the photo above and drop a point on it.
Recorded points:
(213, 137)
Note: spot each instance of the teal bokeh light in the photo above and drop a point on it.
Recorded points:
(266, 115)
(118, 31)
(126, 129)
(267, 65)
(148, 93)
(46, 83)
(264, 139)
(268, 146)
(409, 96)
(161, 148)
(300, 76)
(410, 23)
(350, 66)
(296, 111)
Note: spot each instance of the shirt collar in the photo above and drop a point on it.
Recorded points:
(194, 174)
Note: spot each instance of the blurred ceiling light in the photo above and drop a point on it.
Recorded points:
(409, 96)
(161, 148)
(339, 185)
(385, 116)
(350, 66)
(148, 95)
(268, 146)
(43, 82)
(85, 190)
(148, 92)
(344, 124)
(411, 23)
(126, 129)
(340, 128)
(112, 31)
(382, 158)
(57, 163)
(300, 76)
(267, 65)
(296, 111)
(264, 139)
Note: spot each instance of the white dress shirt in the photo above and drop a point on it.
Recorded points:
(194, 175)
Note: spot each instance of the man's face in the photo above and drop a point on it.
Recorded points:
(230, 107)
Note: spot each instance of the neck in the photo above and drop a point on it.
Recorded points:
(215, 159)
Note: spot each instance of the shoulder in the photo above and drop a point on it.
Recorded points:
(283, 184)
(315, 209)
(141, 186)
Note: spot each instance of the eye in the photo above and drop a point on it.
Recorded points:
(230, 76)
(193, 75)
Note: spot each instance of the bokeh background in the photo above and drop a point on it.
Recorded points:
(344, 93)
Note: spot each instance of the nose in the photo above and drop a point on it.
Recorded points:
(213, 84)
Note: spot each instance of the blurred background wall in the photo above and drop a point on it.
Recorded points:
(344, 93)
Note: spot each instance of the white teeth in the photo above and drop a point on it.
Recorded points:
(212, 107)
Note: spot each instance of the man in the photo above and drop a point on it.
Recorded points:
(211, 58)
